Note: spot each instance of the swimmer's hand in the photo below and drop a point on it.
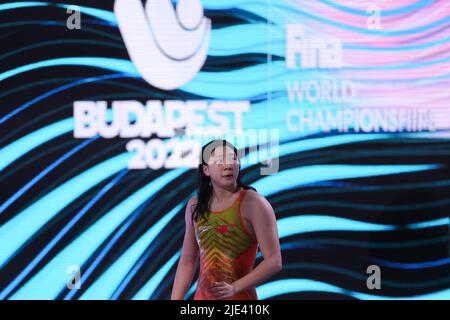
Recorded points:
(222, 290)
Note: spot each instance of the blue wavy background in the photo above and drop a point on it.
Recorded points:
(343, 201)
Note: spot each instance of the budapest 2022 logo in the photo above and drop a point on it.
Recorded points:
(168, 46)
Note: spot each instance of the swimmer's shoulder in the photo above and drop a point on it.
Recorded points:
(191, 204)
(252, 202)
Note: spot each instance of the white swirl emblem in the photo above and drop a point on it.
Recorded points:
(167, 46)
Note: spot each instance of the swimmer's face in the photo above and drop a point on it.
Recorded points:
(223, 166)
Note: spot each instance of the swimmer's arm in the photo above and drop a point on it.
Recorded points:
(263, 220)
(187, 264)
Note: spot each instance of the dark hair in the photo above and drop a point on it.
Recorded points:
(204, 190)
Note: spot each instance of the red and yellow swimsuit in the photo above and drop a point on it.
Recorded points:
(227, 250)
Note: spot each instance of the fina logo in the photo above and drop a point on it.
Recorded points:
(167, 46)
